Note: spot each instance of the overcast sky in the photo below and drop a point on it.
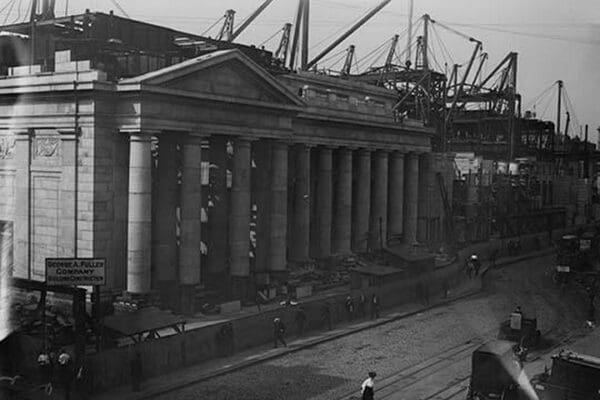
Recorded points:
(555, 39)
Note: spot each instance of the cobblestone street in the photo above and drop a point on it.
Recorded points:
(336, 368)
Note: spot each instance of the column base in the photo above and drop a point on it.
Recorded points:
(169, 294)
(187, 299)
(239, 288)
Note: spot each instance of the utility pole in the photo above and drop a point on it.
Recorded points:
(560, 86)
(426, 20)
(409, 38)
(296, 37)
(304, 52)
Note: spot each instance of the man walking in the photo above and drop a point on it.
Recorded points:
(278, 332)
(375, 306)
(368, 387)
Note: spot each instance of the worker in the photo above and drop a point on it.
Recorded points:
(475, 264)
(278, 332)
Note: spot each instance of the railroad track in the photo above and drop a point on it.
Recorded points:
(405, 384)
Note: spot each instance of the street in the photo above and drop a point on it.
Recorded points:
(425, 356)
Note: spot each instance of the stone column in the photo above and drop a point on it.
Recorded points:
(67, 239)
(396, 195)
(300, 232)
(379, 196)
(342, 220)
(261, 182)
(361, 200)
(239, 220)
(191, 211)
(277, 261)
(139, 223)
(323, 204)
(411, 196)
(22, 220)
(218, 211)
(164, 251)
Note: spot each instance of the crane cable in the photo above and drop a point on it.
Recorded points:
(116, 3)
(270, 37)
(12, 3)
(212, 26)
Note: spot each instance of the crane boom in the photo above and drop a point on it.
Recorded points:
(349, 32)
(249, 20)
(227, 28)
(282, 51)
(348, 62)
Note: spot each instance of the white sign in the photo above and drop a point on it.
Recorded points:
(76, 271)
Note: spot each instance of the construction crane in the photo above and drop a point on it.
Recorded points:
(226, 32)
(249, 20)
(300, 24)
(46, 13)
(282, 51)
(349, 32)
(348, 62)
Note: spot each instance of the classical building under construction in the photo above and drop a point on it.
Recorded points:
(182, 169)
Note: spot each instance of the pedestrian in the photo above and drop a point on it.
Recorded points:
(368, 387)
(278, 332)
(476, 264)
(136, 371)
(350, 308)
(375, 303)
(326, 315)
(300, 320)
(362, 304)
(65, 372)
(45, 367)
(83, 380)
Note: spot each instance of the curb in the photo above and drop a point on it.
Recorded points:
(346, 332)
(327, 338)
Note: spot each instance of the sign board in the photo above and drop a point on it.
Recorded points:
(76, 271)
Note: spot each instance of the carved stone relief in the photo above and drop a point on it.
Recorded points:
(7, 147)
(46, 146)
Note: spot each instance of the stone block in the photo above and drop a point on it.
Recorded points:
(25, 70)
(231, 307)
(62, 56)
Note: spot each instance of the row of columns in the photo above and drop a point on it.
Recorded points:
(361, 199)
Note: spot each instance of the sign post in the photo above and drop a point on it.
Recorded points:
(78, 272)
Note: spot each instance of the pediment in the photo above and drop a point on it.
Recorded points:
(226, 74)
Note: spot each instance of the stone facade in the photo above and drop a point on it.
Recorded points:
(299, 166)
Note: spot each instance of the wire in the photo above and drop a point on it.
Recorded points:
(116, 3)
(18, 13)
(270, 37)
(12, 3)
(326, 38)
(212, 26)
(539, 96)
(534, 35)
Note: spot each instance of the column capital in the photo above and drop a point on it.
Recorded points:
(140, 132)
(22, 134)
(364, 151)
(194, 139)
(69, 133)
(397, 154)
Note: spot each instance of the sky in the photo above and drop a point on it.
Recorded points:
(555, 39)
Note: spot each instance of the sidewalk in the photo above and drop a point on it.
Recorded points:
(212, 368)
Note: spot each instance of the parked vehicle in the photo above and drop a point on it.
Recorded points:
(496, 372)
(572, 377)
(525, 333)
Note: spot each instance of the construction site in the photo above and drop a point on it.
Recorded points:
(214, 177)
